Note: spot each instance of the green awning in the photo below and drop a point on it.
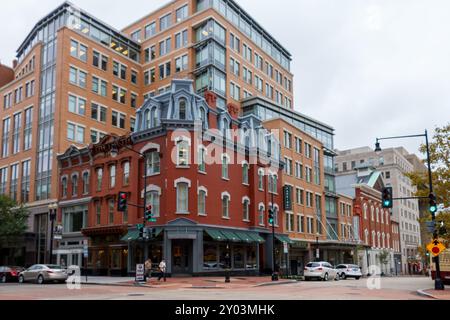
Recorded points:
(256, 237)
(216, 234)
(132, 235)
(231, 236)
(158, 231)
(283, 238)
(244, 236)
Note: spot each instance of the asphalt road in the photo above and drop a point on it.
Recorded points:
(403, 288)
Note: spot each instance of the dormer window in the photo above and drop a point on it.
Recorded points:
(182, 109)
(154, 117)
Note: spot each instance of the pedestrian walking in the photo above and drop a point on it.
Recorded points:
(162, 270)
(148, 268)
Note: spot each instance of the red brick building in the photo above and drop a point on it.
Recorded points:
(372, 223)
(209, 195)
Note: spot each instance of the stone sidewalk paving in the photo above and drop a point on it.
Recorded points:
(436, 294)
(188, 282)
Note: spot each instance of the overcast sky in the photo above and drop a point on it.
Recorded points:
(368, 68)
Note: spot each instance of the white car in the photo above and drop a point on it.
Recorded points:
(320, 270)
(349, 271)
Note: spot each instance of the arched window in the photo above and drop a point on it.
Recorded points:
(261, 211)
(85, 182)
(182, 109)
(183, 153)
(225, 206)
(74, 185)
(366, 236)
(225, 127)
(202, 202)
(245, 173)
(153, 163)
(372, 213)
(112, 176)
(378, 215)
(246, 209)
(374, 244)
(182, 197)
(201, 159)
(153, 200)
(64, 187)
(365, 211)
(154, 117)
(99, 179)
(126, 173)
(148, 119)
(383, 237)
(225, 167)
(379, 240)
(261, 180)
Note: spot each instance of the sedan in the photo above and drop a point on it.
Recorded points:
(10, 274)
(349, 271)
(41, 273)
(320, 270)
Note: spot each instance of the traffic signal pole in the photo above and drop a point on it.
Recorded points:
(438, 284)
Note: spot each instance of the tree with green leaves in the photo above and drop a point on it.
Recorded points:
(13, 220)
(384, 258)
(440, 166)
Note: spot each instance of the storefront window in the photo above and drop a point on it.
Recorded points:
(210, 257)
(251, 262)
(223, 256)
(115, 259)
(238, 257)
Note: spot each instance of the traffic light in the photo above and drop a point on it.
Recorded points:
(122, 202)
(387, 198)
(148, 213)
(140, 228)
(271, 217)
(433, 204)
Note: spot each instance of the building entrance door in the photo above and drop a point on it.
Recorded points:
(181, 256)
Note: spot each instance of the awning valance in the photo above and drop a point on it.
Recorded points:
(283, 238)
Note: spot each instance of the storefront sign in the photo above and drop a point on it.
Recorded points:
(287, 195)
(107, 147)
(140, 273)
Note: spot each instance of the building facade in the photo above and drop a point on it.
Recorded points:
(210, 176)
(371, 223)
(76, 79)
(393, 164)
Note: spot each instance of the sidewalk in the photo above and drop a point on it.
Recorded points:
(188, 282)
(435, 294)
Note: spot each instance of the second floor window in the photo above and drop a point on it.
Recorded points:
(99, 179)
(183, 153)
(85, 183)
(182, 197)
(112, 176)
(225, 167)
(153, 163)
(74, 185)
(126, 173)
(64, 187)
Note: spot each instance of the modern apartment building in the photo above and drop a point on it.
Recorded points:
(393, 163)
(77, 79)
(217, 44)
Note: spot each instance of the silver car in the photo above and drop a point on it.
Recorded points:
(320, 270)
(349, 271)
(41, 273)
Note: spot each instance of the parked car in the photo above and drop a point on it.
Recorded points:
(41, 273)
(10, 274)
(349, 271)
(320, 270)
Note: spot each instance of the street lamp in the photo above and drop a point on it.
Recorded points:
(438, 284)
(52, 208)
(317, 247)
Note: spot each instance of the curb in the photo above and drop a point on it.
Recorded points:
(275, 283)
(421, 292)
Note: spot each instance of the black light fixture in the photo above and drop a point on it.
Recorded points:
(114, 151)
(377, 147)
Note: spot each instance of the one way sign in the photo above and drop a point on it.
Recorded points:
(436, 248)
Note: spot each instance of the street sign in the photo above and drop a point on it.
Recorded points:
(85, 249)
(317, 253)
(287, 196)
(436, 248)
(140, 273)
(286, 247)
(57, 233)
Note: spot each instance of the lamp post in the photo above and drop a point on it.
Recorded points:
(52, 208)
(438, 284)
(274, 272)
(317, 247)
